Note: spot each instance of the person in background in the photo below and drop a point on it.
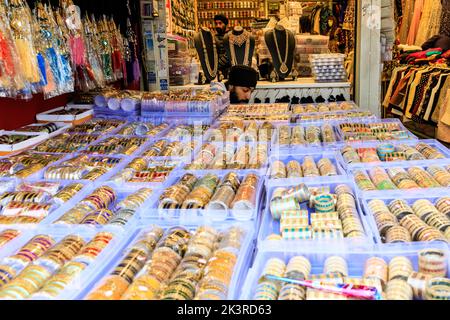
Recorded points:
(221, 26)
(241, 83)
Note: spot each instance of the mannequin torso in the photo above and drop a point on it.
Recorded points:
(240, 46)
(281, 44)
(205, 45)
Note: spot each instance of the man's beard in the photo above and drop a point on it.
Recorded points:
(235, 100)
(220, 31)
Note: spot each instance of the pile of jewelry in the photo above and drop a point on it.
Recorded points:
(66, 143)
(306, 135)
(97, 126)
(144, 170)
(112, 146)
(166, 148)
(240, 131)
(382, 131)
(26, 164)
(308, 169)
(142, 129)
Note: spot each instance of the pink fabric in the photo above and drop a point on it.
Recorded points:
(415, 22)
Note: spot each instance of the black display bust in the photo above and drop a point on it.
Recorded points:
(283, 57)
(244, 51)
(207, 53)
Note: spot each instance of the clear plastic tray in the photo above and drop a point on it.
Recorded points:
(204, 216)
(121, 193)
(278, 149)
(269, 226)
(71, 290)
(341, 173)
(408, 197)
(56, 209)
(356, 256)
(400, 192)
(239, 274)
(409, 137)
(433, 143)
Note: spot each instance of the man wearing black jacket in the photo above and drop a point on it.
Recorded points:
(221, 24)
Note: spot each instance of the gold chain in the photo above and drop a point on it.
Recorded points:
(211, 72)
(283, 67)
(247, 58)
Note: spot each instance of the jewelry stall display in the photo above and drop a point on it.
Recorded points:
(47, 266)
(240, 131)
(261, 112)
(403, 178)
(373, 275)
(314, 213)
(187, 132)
(388, 152)
(376, 131)
(66, 143)
(83, 167)
(302, 166)
(116, 146)
(213, 195)
(230, 157)
(160, 260)
(32, 202)
(97, 126)
(408, 220)
(142, 129)
(144, 170)
(323, 107)
(26, 164)
(175, 149)
(185, 101)
(306, 136)
(328, 67)
(105, 206)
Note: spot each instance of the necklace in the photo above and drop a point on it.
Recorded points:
(240, 39)
(211, 72)
(283, 68)
(246, 60)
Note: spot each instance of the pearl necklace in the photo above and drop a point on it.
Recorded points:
(211, 72)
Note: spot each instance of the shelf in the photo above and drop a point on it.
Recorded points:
(248, 18)
(302, 83)
(230, 9)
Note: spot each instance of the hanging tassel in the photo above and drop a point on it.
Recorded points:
(78, 49)
(28, 61)
(42, 68)
(52, 59)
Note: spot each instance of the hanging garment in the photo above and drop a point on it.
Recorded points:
(415, 22)
(408, 12)
(440, 100)
(430, 22)
(397, 75)
(434, 97)
(443, 132)
(445, 18)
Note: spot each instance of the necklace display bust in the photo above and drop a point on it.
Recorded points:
(281, 45)
(240, 46)
(205, 44)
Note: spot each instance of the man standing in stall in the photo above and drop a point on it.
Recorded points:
(221, 26)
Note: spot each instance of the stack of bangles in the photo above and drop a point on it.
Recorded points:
(47, 128)
(391, 153)
(174, 265)
(66, 143)
(26, 164)
(7, 236)
(142, 129)
(82, 167)
(238, 131)
(400, 178)
(112, 146)
(393, 280)
(165, 148)
(31, 202)
(186, 132)
(309, 135)
(419, 220)
(309, 169)
(96, 126)
(100, 208)
(212, 157)
(306, 214)
(360, 132)
(211, 192)
(143, 170)
(44, 268)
